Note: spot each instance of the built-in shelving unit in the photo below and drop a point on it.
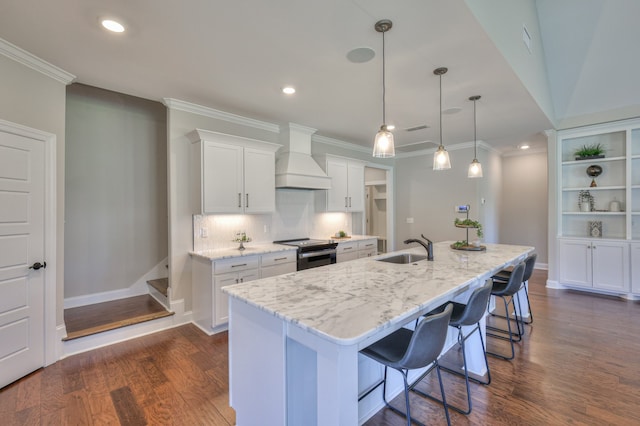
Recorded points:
(594, 246)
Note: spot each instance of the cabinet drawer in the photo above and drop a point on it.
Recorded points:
(367, 245)
(347, 247)
(279, 257)
(236, 264)
(368, 252)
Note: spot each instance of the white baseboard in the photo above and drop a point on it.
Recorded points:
(138, 288)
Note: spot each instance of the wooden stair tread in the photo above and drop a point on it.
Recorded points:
(160, 284)
(91, 319)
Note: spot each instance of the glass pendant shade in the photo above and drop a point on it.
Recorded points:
(475, 169)
(441, 159)
(383, 146)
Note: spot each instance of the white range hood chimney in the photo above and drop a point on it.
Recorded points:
(295, 168)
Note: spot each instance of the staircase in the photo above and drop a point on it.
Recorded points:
(87, 320)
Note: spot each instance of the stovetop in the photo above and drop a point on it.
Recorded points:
(308, 244)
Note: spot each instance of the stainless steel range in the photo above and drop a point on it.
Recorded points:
(312, 253)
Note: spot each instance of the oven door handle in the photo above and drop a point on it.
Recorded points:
(317, 253)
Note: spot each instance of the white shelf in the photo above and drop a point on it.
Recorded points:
(593, 160)
(596, 213)
(596, 188)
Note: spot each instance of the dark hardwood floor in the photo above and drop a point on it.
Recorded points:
(579, 363)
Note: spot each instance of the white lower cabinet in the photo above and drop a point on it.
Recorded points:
(367, 248)
(210, 303)
(635, 268)
(352, 250)
(596, 264)
(346, 250)
(273, 264)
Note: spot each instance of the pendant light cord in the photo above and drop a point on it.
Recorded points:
(475, 138)
(440, 110)
(384, 89)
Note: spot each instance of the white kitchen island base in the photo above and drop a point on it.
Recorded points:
(294, 341)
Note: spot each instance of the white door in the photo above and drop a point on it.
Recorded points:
(610, 265)
(22, 171)
(355, 180)
(222, 178)
(259, 181)
(575, 262)
(337, 200)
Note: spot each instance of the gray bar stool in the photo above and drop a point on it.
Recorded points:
(508, 290)
(405, 350)
(467, 315)
(504, 275)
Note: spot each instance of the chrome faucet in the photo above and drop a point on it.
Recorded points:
(428, 246)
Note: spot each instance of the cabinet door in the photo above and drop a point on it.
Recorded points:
(610, 265)
(222, 178)
(337, 196)
(575, 262)
(635, 268)
(356, 187)
(278, 269)
(259, 181)
(221, 300)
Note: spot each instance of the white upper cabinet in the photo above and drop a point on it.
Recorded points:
(232, 174)
(347, 185)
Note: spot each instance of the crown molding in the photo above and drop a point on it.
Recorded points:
(340, 144)
(27, 59)
(179, 105)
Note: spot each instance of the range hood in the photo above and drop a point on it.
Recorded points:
(295, 168)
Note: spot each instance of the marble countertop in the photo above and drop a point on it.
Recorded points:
(347, 302)
(250, 250)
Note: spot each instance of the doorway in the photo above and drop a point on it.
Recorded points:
(377, 203)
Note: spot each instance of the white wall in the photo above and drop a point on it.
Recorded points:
(32, 99)
(116, 190)
(524, 215)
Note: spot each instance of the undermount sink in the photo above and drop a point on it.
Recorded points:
(403, 258)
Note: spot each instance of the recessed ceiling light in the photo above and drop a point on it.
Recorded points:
(288, 90)
(112, 25)
(361, 54)
(524, 146)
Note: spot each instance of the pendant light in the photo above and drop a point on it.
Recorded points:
(383, 143)
(475, 168)
(441, 156)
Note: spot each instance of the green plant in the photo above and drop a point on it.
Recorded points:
(468, 223)
(460, 244)
(590, 150)
(342, 234)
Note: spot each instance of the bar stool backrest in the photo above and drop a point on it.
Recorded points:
(529, 262)
(476, 306)
(514, 283)
(427, 340)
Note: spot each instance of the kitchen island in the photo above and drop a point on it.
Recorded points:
(294, 339)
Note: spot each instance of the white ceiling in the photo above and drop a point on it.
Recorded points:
(235, 56)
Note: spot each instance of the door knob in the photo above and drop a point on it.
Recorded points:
(38, 265)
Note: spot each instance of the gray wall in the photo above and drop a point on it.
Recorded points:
(525, 202)
(32, 99)
(429, 197)
(116, 190)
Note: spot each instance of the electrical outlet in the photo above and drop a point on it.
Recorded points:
(409, 220)
(266, 229)
(204, 233)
